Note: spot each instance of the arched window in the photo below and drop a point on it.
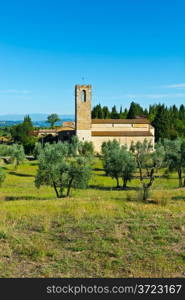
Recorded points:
(83, 96)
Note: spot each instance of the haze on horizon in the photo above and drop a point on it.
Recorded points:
(128, 50)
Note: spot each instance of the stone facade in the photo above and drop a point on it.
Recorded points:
(83, 112)
(98, 140)
(123, 130)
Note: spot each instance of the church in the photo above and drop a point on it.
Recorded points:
(100, 130)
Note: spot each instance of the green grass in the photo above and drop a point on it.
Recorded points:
(98, 232)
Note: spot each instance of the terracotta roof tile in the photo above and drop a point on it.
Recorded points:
(66, 128)
(121, 133)
(120, 121)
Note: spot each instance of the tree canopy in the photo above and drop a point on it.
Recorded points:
(175, 157)
(52, 119)
(148, 161)
(24, 134)
(118, 162)
(57, 168)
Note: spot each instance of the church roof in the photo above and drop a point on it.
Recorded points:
(121, 133)
(65, 128)
(68, 124)
(120, 121)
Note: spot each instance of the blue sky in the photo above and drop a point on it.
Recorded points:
(129, 50)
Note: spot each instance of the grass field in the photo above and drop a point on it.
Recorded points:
(98, 232)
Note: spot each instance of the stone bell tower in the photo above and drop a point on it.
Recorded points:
(83, 112)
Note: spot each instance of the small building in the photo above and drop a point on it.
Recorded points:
(44, 132)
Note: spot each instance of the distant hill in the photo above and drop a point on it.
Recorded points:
(39, 120)
(34, 117)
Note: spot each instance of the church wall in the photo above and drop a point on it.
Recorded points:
(98, 140)
(84, 135)
(119, 127)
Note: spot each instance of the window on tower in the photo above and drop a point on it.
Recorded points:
(83, 96)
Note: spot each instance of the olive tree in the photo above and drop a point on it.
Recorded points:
(77, 147)
(148, 161)
(73, 146)
(61, 171)
(128, 165)
(4, 150)
(175, 157)
(86, 149)
(78, 173)
(37, 149)
(17, 155)
(112, 162)
(109, 146)
(118, 162)
(12, 154)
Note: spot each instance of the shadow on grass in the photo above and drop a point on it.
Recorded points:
(34, 164)
(15, 198)
(103, 188)
(4, 168)
(20, 174)
(136, 200)
(178, 198)
(98, 169)
(112, 188)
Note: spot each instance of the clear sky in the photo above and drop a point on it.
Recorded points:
(129, 50)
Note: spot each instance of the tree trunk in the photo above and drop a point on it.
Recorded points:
(180, 177)
(61, 191)
(117, 180)
(69, 186)
(148, 172)
(56, 191)
(146, 186)
(145, 192)
(140, 170)
(124, 183)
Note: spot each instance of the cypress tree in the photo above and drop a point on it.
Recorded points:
(161, 123)
(114, 113)
(134, 110)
